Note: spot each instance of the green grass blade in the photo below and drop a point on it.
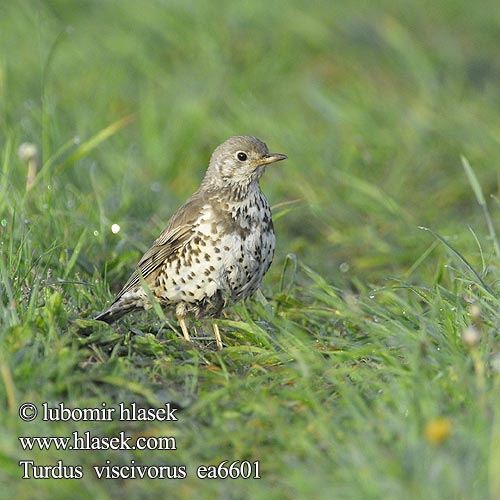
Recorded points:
(75, 254)
(476, 187)
(86, 147)
(478, 192)
(461, 258)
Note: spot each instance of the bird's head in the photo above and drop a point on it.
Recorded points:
(239, 162)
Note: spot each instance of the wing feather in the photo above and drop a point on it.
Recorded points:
(178, 232)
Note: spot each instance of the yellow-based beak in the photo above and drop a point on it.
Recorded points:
(271, 158)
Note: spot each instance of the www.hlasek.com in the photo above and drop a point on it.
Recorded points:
(88, 441)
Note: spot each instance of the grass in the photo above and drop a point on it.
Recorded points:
(369, 367)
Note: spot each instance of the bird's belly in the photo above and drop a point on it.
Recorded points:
(232, 266)
(244, 266)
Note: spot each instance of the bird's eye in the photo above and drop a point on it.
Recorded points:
(241, 156)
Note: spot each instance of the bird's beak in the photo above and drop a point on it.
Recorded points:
(271, 158)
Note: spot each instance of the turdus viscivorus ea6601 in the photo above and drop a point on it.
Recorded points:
(216, 248)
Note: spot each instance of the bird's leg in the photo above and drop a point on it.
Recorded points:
(217, 336)
(184, 329)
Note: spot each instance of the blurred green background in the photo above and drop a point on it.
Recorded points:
(340, 390)
(373, 102)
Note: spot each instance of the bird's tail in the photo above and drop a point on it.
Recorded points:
(116, 311)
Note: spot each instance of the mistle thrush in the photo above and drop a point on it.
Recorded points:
(216, 248)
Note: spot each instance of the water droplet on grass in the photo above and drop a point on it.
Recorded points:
(344, 267)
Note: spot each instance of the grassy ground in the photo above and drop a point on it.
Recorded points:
(371, 369)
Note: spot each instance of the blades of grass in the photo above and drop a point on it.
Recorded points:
(252, 330)
(6, 285)
(494, 459)
(372, 191)
(476, 187)
(421, 259)
(281, 209)
(320, 282)
(8, 382)
(81, 151)
(100, 205)
(49, 164)
(408, 50)
(478, 192)
(419, 291)
(45, 94)
(154, 303)
(260, 297)
(86, 147)
(290, 260)
(76, 253)
(7, 151)
(461, 258)
(133, 387)
(14, 252)
(478, 243)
